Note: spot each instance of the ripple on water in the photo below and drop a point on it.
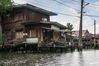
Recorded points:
(86, 58)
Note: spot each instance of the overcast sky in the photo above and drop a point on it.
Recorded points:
(71, 7)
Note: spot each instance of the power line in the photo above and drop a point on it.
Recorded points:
(75, 1)
(92, 3)
(72, 15)
(68, 15)
(91, 15)
(56, 9)
(78, 16)
(95, 4)
(86, 2)
(58, 12)
(71, 0)
(65, 5)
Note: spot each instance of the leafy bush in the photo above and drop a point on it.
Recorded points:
(1, 42)
(3, 39)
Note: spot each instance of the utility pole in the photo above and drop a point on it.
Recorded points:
(80, 27)
(94, 33)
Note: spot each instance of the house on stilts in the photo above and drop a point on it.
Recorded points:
(31, 24)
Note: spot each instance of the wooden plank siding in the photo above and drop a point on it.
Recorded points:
(57, 35)
(20, 16)
(25, 15)
(25, 23)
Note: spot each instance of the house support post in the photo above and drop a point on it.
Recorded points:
(94, 33)
(0, 29)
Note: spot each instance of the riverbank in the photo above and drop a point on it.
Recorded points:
(34, 48)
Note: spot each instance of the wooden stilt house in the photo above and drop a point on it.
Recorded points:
(32, 24)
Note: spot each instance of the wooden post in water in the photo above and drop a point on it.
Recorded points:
(94, 33)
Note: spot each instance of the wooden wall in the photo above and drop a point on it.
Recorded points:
(35, 33)
(57, 35)
(36, 17)
(25, 15)
(21, 15)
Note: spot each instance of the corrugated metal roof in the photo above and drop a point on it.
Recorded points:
(53, 29)
(83, 32)
(49, 23)
(32, 7)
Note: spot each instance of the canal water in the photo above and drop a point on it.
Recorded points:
(85, 58)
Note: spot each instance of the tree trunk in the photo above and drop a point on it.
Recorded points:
(0, 29)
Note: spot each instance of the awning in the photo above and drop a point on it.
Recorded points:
(53, 29)
(46, 23)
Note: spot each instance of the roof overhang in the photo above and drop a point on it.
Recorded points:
(47, 23)
(34, 8)
(53, 29)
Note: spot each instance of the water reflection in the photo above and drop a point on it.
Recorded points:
(85, 58)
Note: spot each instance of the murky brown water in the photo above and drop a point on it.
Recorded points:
(86, 58)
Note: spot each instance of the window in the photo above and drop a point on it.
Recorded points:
(19, 35)
(44, 19)
(33, 13)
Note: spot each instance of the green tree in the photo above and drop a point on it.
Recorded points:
(4, 6)
(69, 26)
(3, 39)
